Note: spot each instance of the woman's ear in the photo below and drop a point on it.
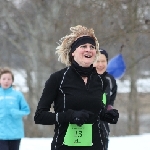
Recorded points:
(72, 54)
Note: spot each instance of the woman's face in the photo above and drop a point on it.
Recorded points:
(101, 64)
(85, 55)
(6, 80)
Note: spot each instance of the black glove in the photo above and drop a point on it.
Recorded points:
(75, 117)
(110, 116)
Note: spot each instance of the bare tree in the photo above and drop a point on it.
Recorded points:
(33, 28)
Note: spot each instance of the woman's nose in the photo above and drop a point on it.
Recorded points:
(88, 48)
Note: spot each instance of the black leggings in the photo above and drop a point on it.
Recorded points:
(10, 144)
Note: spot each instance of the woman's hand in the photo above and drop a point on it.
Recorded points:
(111, 116)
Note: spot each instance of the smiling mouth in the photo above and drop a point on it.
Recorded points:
(87, 56)
(101, 68)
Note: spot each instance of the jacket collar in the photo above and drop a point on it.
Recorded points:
(6, 90)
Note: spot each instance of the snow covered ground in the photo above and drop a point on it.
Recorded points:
(142, 85)
(140, 142)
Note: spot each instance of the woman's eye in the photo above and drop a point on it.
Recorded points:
(92, 47)
(83, 46)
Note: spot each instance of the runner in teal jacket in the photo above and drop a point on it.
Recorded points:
(13, 107)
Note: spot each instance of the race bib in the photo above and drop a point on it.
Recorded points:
(78, 136)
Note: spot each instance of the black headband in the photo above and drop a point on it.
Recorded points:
(102, 51)
(81, 41)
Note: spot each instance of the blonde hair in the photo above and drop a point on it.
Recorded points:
(6, 70)
(63, 49)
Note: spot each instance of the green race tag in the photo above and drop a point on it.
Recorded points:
(78, 136)
(104, 99)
